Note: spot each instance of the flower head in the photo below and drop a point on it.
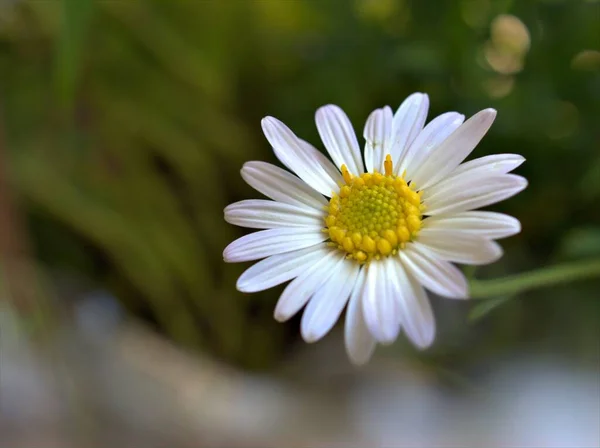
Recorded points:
(373, 239)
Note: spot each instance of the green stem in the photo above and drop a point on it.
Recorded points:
(554, 275)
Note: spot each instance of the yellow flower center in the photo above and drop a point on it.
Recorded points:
(374, 214)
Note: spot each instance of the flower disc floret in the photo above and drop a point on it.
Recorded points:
(374, 214)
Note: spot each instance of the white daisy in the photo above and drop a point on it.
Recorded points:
(373, 238)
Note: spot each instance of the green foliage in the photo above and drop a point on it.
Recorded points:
(128, 123)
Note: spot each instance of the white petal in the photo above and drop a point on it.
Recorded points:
(490, 225)
(329, 167)
(407, 123)
(380, 309)
(439, 276)
(466, 194)
(477, 171)
(436, 131)
(300, 290)
(280, 185)
(447, 156)
(309, 164)
(262, 214)
(359, 342)
(494, 164)
(280, 268)
(324, 309)
(339, 138)
(265, 243)
(460, 246)
(377, 134)
(415, 310)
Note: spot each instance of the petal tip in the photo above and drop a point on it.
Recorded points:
(520, 182)
(387, 339)
(266, 120)
(461, 292)
(518, 161)
(484, 117)
(269, 126)
(326, 107)
(280, 316)
(425, 343)
(309, 337)
(497, 253)
(357, 361)
(243, 285)
(517, 226)
(229, 254)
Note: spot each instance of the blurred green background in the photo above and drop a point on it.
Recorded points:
(126, 124)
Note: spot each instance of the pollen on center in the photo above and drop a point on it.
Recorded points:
(374, 215)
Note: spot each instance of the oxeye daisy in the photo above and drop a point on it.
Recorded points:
(373, 233)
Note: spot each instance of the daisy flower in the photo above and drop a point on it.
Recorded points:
(373, 233)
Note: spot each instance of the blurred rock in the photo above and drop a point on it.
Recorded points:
(136, 389)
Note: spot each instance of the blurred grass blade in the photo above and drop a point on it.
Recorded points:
(483, 308)
(75, 18)
(554, 275)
